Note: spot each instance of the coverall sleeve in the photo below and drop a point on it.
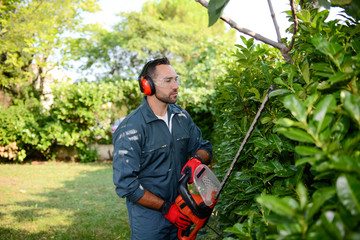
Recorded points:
(126, 162)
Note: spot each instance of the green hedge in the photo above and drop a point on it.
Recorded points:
(298, 177)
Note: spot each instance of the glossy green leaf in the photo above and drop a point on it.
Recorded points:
(265, 120)
(306, 73)
(243, 124)
(267, 179)
(296, 107)
(351, 143)
(310, 160)
(302, 194)
(215, 9)
(349, 220)
(277, 142)
(339, 77)
(255, 92)
(260, 142)
(304, 15)
(319, 197)
(278, 92)
(352, 105)
(277, 205)
(326, 105)
(356, 45)
(237, 229)
(286, 122)
(296, 134)
(345, 163)
(310, 100)
(322, 67)
(278, 166)
(317, 232)
(264, 167)
(324, 131)
(348, 191)
(285, 173)
(308, 150)
(324, 85)
(333, 224)
(279, 81)
(253, 188)
(328, 47)
(243, 176)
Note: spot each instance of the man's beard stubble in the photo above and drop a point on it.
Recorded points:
(167, 99)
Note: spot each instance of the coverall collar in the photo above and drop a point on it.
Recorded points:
(149, 115)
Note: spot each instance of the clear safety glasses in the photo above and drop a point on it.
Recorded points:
(168, 82)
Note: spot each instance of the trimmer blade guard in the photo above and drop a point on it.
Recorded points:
(206, 183)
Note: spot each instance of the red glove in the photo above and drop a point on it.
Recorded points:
(191, 165)
(172, 213)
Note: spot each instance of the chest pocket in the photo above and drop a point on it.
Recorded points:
(153, 152)
(155, 160)
(183, 142)
(181, 133)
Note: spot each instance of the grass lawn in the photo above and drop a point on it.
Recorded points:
(60, 201)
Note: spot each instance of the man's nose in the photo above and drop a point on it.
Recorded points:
(175, 85)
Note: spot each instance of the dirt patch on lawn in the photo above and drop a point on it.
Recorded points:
(8, 181)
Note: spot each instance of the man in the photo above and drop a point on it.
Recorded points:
(152, 146)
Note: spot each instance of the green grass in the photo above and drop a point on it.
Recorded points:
(60, 201)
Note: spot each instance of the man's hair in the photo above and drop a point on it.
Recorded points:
(150, 67)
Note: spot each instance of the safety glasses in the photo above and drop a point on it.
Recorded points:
(168, 82)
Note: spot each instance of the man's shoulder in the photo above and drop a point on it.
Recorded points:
(129, 126)
(134, 117)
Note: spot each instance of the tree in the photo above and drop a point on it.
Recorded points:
(30, 32)
(161, 28)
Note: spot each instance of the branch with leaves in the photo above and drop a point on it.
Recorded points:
(215, 8)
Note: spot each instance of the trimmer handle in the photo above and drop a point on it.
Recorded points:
(192, 206)
(198, 222)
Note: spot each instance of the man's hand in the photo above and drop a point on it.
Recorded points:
(191, 165)
(172, 213)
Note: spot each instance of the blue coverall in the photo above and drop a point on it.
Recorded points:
(148, 156)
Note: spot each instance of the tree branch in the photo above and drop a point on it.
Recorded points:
(248, 32)
(296, 24)
(275, 22)
(279, 45)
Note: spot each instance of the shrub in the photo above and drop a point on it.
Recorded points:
(19, 129)
(298, 177)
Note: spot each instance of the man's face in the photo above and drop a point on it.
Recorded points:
(168, 93)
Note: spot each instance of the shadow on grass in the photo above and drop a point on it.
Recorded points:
(85, 207)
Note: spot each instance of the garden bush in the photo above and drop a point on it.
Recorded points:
(80, 114)
(298, 176)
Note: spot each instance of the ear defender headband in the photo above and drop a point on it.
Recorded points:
(146, 83)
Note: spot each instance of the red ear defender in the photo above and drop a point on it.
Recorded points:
(146, 86)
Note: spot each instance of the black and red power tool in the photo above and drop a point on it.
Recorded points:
(197, 207)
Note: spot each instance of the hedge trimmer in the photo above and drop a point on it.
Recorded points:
(199, 207)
